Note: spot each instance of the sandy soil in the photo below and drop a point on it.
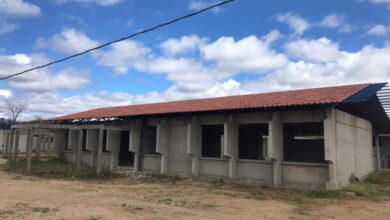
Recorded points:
(38, 198)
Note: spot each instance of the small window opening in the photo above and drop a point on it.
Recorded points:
(253, 141)
(84, 146)
(149, 139)
(212, 141)
(304, 142)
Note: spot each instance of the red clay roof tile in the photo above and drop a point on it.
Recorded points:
(315, 96)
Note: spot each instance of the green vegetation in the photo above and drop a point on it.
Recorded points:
(43, 210)
(56, 168)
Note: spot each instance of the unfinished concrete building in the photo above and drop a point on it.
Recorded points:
(313, 138)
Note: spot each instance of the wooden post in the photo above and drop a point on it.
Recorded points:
(29, 149)
(100, 152)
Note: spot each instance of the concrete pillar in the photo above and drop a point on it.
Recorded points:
(47, 144)
(61, 140)
(16, 145)
(135, 144)
(99, 156)
(331, 148)
(230, 143)
(29, 149)
(194, 144)
(38, 147)
(162, 146)
(92, 145)
(6, 147)
(275, 146)
(11, 144)
(378, 152)
(79, 148)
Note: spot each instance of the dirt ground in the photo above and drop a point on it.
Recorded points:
(24, 197)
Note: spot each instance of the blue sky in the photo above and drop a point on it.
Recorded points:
(245, 47)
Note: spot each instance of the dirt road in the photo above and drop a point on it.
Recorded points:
(24, 197)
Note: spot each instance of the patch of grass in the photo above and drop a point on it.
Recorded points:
(327, 194)
(380, 178)
(95, 217)
(364, 189)
(43, 210)
(56, 168)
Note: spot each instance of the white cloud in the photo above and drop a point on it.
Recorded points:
(296, 23)
(18, 8)
(42, 79)
(12, 10)
(123, 56)
(97, 2)
(336, 21)
(6, 27)
(383, 2)
(379, 30)
(248, 54)
(196, 5)
(175, 46)
(5, 93)
(321, 50)
(69, 41)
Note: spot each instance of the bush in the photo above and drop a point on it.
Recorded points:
(380, 178)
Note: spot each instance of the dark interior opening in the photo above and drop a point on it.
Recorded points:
(252, 141)
(84, 146)
(105, 141)
(304, 142)
(66, 143)
(126, 158)
(211, 140)
(149, 139)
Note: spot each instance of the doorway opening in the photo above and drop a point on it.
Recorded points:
(126, 158)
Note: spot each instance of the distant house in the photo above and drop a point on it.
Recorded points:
(311, 138)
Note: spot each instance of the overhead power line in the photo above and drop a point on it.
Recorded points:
(120, 39)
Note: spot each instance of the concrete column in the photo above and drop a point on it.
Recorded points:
(38, 147)
(29, 149)
(79, 148)
(99, 156)
(6, 147)
(47, 144)
(275, 146)
(162, 146)
(230, 143)
(194, 144)
(11, 144)
(16, 145)
(330, 145)
(135, 144)
(61, 141)
(378, 152)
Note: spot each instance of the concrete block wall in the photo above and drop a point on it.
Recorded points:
(348, 147)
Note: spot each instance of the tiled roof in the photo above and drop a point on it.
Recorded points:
(304, 97)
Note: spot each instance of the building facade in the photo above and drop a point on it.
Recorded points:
(312, 139)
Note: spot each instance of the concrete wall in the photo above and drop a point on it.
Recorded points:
(179, 162)
(305, 175)
(69, 156)
(254, 171)
(151, 163)
(107, 160)
(384, 152)
(87, 158)
(348, 147)
(214, 168)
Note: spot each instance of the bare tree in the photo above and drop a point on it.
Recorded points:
(15, 109)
